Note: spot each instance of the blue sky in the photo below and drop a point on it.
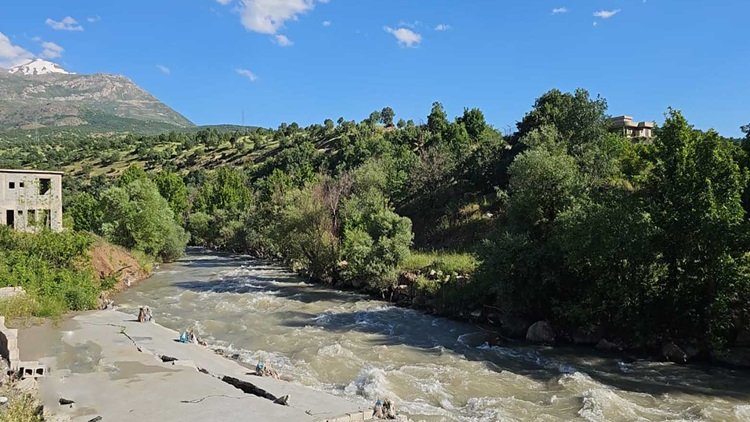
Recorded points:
(306, 60)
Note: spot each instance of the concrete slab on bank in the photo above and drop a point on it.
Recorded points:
(96, 362)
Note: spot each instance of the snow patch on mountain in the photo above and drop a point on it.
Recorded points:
(38, 67)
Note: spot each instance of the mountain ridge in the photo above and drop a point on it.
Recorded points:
(40, 94)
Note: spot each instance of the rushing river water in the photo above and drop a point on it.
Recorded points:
(436, 369)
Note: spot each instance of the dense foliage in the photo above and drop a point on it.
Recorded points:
(644, 239)
(53, 269)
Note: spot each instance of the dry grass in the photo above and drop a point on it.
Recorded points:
(21, 407)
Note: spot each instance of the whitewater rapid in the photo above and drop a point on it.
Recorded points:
(434, 368)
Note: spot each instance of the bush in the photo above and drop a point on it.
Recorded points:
(52, 268)
(375, 239)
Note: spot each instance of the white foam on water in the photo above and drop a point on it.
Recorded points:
(336, 350)
(742, 412)
(604, 404)
(371, 383)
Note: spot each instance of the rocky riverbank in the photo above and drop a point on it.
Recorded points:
(410, 292)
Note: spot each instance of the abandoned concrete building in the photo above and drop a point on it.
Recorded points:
(31, 200)
(632, 129)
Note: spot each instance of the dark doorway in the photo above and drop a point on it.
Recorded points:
(10, 218)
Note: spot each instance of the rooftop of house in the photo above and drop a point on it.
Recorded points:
(627, 121)
(19, 171)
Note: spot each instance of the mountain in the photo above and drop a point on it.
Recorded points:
(42, 95)
(37, 67)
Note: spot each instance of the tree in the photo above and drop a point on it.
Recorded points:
(522, 266)
(375, 240)
(225, 189)
(437, 121)
(694, 194)
(173, 189)
(131, 174)
(138, 217)
(86, 213)
(386, 116)
(473, 121)
(543, 184)
(577, 117)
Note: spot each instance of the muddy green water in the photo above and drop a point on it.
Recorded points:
(434, 368)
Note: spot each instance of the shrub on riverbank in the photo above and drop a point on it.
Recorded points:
(134, 214)
(52, 268)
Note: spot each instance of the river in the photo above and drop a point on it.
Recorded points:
(434, 368)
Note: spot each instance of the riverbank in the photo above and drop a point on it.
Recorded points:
(111, 366)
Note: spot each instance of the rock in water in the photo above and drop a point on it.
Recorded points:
(673, 353)
(540, 332)
(64, 402)
(607, 346)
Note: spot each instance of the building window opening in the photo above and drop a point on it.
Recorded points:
(32, 217)
(47, 218)
(11, 185)
(44, 186)
(20, 185)
(10, 218)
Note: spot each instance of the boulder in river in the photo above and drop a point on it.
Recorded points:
(605, 345)
(673, 353)
(540, 332)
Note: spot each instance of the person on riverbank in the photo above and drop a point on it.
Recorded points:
(385, 409)
(145, 315)
(263, 370)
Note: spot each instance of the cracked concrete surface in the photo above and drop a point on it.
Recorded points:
(94, 359)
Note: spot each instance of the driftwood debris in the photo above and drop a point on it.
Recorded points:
(250, 388)
(167, 359)
(65, 402)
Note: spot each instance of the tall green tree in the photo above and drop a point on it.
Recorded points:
(138, 217)
(172, 187)
(695, 194)
(577, 117)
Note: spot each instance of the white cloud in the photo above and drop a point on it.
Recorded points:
(559, 10)
(51, 50)
(11, 55)
(66, 24)
(223, 2)
(406, 37)
(326, 23)
(268, 16)
(606, 14)
(94, 19)
(247, 73)
(443, 27)
(283, 40)
(163, 69)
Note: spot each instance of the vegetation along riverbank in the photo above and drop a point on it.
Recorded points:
(601, 239)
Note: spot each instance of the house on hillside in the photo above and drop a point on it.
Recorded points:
(30, 199)
(632, 129)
